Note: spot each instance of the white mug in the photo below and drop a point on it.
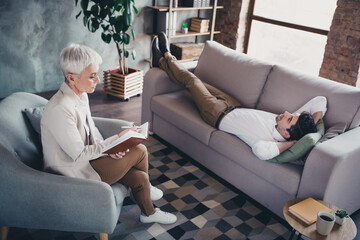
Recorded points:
(324, 223)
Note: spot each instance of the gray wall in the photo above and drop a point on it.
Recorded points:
(33, 32)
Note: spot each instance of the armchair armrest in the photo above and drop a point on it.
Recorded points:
(331, 171)
(156, 82)
(33, 199)
(109, 127)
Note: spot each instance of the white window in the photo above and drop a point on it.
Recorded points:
(290, 32)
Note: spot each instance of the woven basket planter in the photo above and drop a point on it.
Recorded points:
(123, 86)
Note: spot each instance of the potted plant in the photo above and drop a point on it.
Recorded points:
(184, 28)
(114, 18)
(341, 216)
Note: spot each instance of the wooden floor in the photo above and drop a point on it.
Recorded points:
(103, 105)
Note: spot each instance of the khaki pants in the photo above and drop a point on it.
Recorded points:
(132, 171)
(210, 101)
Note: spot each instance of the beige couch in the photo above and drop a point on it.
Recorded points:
(331, 171)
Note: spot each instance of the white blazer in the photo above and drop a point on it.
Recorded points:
(65, 137)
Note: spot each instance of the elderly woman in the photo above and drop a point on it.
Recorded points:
(71, 145)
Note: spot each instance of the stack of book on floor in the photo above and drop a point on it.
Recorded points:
(199, 25)
(307, 210)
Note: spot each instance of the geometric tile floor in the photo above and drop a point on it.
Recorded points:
(206, 207)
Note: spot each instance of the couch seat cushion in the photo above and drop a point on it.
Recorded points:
(237, 74)
(179, 109)
(285, 176)
(288, 90)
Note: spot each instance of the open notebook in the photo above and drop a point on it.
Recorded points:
(128, 140)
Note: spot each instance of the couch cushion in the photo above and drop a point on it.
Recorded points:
(235, 73)
(34, 115)
(179, 109)
(333, 131)
(288, 90)
(285, 176)
(18, 130)
(302, 147)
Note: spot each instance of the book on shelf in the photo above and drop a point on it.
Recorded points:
(307, 210)
(200, 20)
(200, 30)
(128, 140)
(191, 3)
(163, 23)
(196, 24)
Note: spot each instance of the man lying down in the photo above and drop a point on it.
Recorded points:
(266, 133)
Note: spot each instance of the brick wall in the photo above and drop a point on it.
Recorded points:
(342, 52)
(227, 21)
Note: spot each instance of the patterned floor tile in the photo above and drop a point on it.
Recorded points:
(206, 206)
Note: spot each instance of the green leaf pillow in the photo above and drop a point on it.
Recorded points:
(301, 147)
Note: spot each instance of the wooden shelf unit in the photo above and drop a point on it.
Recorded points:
(180, 34)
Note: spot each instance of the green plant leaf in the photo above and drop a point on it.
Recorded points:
(88, 26)
(126, 54)
(133, 54)
(94, 25)
(117, 38)
(77, 15)
(95, 10)
(105, 27)
(102, 4)
(135, 9)
(112, 20)
(87, 13)
(85, 20)
(119, 25)
(103, 37)
(126, 38)
(84, 4)
(103, 13)
(108, 38)
(111, 3)
(133, 34)
(121, 11)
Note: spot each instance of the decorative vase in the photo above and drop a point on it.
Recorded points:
(123, 86)
(340, 220)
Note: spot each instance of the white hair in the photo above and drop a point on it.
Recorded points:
(75, 58)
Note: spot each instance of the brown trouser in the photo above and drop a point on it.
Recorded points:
(210, 101)
(132, 171)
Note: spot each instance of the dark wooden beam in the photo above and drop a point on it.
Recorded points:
(290, 25)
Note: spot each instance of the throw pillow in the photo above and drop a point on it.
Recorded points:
(334, 131)
(301, 147)
(34, 115)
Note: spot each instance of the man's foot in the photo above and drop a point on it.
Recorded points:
(159, 217)
(155, 53)
(155, 193)
(163, 43)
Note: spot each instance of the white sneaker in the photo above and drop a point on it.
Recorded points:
(155, 193)
(159, 217)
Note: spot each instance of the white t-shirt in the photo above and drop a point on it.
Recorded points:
(257, 128)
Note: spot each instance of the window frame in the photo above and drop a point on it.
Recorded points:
(252, 17)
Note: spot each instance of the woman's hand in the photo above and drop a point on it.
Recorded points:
(118, 155)
(134, 128)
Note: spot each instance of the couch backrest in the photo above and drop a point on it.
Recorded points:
(16, 129)
(287, 89)
(235, 73)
